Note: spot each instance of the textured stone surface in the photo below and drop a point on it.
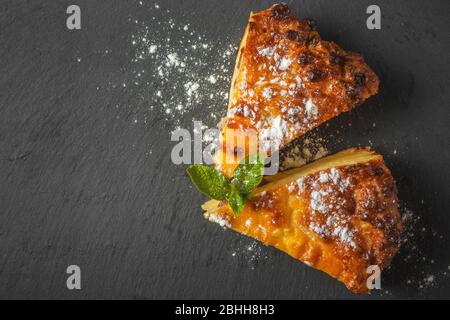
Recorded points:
(79, 187)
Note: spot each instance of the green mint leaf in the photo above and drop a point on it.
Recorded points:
(209, 181)
(249, 173)
(236, 201)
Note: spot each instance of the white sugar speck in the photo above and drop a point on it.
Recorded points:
(266, 52)
(311, 109)
(172, 60)
(219, 220)
(191, 88)
(318, 202)
(267, 93)
(212, 79)
(273, 133)
(429, 279)
(284, 63)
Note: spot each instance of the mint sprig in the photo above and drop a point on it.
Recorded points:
(249, 173)
(247, 176)
(209, 181)
(236, 200)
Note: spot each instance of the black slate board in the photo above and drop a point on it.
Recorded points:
(79, 186)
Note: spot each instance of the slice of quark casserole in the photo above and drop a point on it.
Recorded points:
(287, 81)
(338, 214)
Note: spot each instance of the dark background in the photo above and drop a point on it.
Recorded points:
(79, 185)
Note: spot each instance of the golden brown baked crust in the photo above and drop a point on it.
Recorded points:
(287, 80)
(338, 215)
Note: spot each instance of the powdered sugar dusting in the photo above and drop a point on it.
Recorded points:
(273, 133)
(311, 109)
(267, 51)
(217, 219)
(422, 271)
(285, 63)
(251, 252)
(176, 71)
(325, 188)
(297, 186)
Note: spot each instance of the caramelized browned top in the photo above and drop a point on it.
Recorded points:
(340, 220)
(288, 80)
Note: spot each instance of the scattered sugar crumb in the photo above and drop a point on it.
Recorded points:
(219, 220)
(252, 253)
